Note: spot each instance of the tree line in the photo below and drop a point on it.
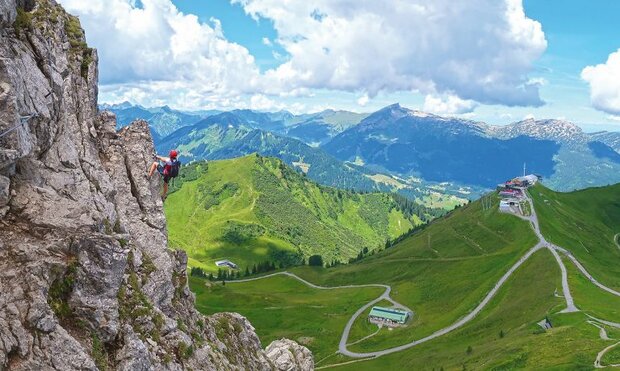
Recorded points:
(313, 261)
(233, 274)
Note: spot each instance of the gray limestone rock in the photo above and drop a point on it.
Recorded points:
(7, 12)
(5, 194)
(287, 355)
(86, 277)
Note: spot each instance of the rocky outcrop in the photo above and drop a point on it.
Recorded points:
(86, 278)
(287, 355)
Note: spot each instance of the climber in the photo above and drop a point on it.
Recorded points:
(168, 167)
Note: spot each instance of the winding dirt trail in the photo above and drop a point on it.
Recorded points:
(583, 270)
(366, 337)
(602, 333)
(542, 243)
(599, 357)
(384, 296)
(342, 348)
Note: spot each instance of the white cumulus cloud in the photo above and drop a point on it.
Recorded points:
(262, 103)
(479, 50)
(363, 100)
(157, 46)
(604, 80)
(448, 104)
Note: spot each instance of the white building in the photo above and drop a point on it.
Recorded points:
(530, 179)
(504, 206)
(226, 263)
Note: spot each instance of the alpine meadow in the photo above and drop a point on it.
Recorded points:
(254, 210)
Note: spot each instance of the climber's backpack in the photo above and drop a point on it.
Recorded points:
(175, 166)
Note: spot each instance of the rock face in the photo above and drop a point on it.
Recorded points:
(287, 355)
(86, 278)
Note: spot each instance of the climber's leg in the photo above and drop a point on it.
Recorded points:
(153, 168)
(165, 192)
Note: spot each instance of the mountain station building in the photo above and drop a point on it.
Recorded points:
(388, 316)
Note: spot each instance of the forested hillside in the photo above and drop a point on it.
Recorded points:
(255, 209)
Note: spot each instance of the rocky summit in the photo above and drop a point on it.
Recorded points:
(86, 277)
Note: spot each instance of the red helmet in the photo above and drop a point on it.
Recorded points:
(173, 153)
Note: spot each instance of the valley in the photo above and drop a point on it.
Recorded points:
(449, 313)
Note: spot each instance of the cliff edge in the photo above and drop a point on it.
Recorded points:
(86, 278)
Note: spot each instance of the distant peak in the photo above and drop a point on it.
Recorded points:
(418, 113)
(123, 105)
(550, 123)
(395, 106)
(395, 112)
(391, 112)
(395, 109)
(554, 129)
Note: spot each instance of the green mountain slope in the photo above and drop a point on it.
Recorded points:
(445, 270)
(254, 209)
(586, 222)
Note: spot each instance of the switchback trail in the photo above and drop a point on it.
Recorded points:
(384, 296)
(342, 348)
(599, 357)
(584, 271)
(542, 243)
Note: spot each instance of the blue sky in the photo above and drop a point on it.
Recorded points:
(238, 27)
(579, 34)
(484, 60)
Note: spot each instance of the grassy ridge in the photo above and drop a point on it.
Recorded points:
(440, 280)
(253, 209)
(591, 299)
(584, 222)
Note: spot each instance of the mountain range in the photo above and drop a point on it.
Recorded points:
(406, 142)
(313, 128)
(227, 135)
(395, 148)
(162, 120)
